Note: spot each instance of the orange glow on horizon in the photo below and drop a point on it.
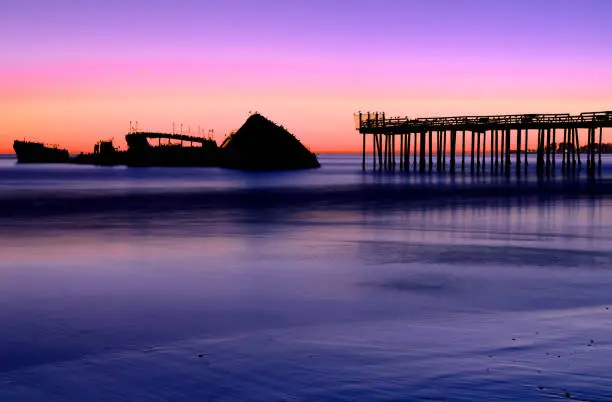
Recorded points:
(323, 126)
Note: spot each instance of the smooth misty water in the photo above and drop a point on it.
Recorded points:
(306, 297)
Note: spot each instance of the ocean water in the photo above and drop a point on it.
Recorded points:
(334, 284)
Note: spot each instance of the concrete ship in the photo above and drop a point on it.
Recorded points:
(36, 152)
(259, 144)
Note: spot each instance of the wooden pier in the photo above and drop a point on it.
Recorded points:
(497, 144)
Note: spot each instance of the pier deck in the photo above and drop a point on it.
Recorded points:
(495, 140)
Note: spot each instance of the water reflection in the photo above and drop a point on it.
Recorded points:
(309, 298)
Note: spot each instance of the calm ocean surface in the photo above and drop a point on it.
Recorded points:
(121, 284)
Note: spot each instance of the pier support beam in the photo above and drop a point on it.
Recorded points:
(463, 152)
(593, 142)
(379, 140)
(591, 152)
(484, 152)
(386, 152)
(540, 152)
(444, 152)
(374, 151)
(572, 133)
(507, 151)
(453, 143)
(599, 150)
(422, 156)
(472, 153)
(363, 158)
(384, 139)
(491, 151)
(554, 149)
(526, 148)
(393, 152)
(518, 150)
(502, 146)
(478, 152)
(576, 134)
(406, 152)
(430, 151)
(588, 151)
(548, 150)
(496, 150)
(564, 151)
(438, 151)
(415, 153)
(401, 152)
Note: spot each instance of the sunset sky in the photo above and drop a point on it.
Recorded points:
(75, 71)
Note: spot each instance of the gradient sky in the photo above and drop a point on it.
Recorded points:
(73, 72)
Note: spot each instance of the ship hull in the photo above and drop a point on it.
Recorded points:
(34, 152)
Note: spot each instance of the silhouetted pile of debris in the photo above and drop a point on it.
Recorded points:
(260, 144)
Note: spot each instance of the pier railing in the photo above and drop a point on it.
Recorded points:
(365, 122)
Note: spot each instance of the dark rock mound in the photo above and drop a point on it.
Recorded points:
(260, 144)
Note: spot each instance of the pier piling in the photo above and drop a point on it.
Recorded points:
(472, 154)
(453, 144)
(463, 152)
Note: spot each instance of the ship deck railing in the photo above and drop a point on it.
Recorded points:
(170, 136)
